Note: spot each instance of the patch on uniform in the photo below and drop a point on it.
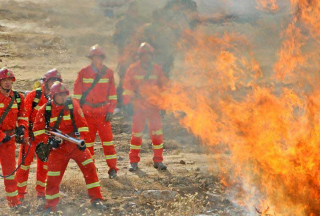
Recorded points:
(8, 74)
(81, 113)
(62, 88)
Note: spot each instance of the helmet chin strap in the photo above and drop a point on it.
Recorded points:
(6, 90)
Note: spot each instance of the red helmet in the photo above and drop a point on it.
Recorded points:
(6, 73)
(145, 48)
(54, 73)
(96, 50)
(58, 87)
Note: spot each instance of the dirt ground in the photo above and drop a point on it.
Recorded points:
(39, 35)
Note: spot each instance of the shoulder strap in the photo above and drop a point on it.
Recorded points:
(17, 98)
(47, 114)
(70, 107)
(36, 99)
(5, 113)
(96, 80)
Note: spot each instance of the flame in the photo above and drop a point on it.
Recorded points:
(268, 128)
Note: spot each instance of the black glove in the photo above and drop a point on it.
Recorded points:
(6, 138)
(128, 109)
(54, 142)
(109, 117)
(20, 131)
(82, 148)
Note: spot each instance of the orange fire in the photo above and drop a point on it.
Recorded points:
(268, 128)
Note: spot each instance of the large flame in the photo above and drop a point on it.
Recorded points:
(269, 128)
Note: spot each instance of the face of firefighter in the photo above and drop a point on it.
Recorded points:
(50, 82)
(97, 61)
(6, 84)
(146, 58)
(60, 98)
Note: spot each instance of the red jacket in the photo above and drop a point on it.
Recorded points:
(103, 93)
(31, 96)
(135, 83)
(65, 124)
(14, 116)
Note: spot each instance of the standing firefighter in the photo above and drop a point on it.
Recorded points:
(140, 76)
(12, 113)
(95, 89)
(34, 100)
(65, 114)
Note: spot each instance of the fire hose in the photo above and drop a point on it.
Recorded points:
(57, 133)
(24, 156)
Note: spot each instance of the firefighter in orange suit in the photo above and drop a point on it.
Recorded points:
(65, 115)
(139, 76)
(33, 101)
(12, 113)
(95, 89)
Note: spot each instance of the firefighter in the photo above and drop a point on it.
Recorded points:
(140, 76)
(66, 115)
(125, 38)
(12, 113)
(95, 89)
(33, 101)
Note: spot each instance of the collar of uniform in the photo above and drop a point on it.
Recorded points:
(56, 107)
(94, 69)
(9, 96)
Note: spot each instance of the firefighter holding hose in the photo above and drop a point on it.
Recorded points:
(65, 114)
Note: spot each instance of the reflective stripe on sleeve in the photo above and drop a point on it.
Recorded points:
(77, 97)
(83, 129)
(90, 144)
(39, 132)
(12, 194)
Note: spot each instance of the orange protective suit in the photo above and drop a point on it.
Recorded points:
(136, 80)
(7, 150)
(59, 158)
(42, 168)
(101, 100)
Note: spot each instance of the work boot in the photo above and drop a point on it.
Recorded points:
(112, 174)
(159, 166)
(97, 204)
(47, 212)
(16, 208)
(41, 198)
(133, 167)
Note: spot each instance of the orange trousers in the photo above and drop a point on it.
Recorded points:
(98, 124)
(8, 164)
(23, 172)
(57, 164)
(155, 130)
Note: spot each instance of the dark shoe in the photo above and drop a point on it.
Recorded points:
(112, 174)
(97, 204)
(17, 207)
(160, 166)
(133, 167)
(48, 212)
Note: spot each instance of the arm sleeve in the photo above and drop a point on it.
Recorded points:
(39, 126)
(23, 118)
(77, 88)
(80, 120)
(112, 96)
(128, 88)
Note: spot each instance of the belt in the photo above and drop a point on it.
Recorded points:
(96, 105)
